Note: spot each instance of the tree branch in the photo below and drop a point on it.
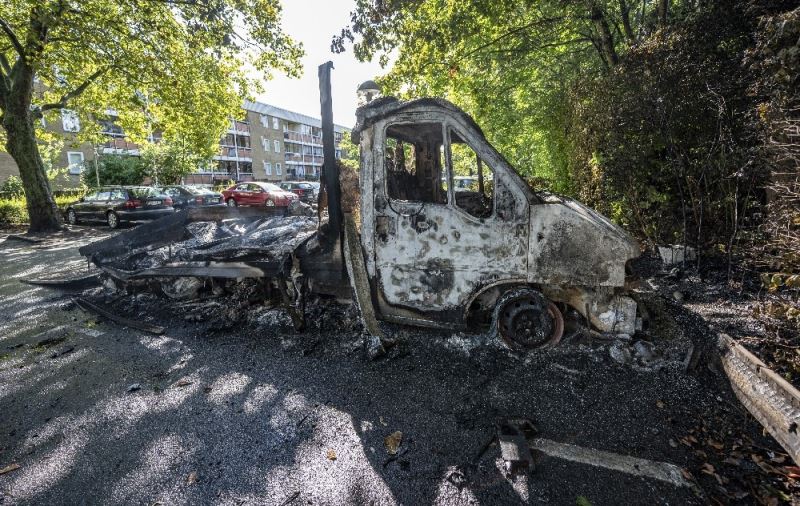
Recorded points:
(66, 97)
(12, 37)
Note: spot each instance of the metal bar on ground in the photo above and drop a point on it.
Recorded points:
(66, 283)
(772, 400)
(661, 471)
(127, 322)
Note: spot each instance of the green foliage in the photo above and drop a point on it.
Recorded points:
(13, 211)
(181, 68)
(168, 162)
(12, 187)
(113, 170)
(641, 109)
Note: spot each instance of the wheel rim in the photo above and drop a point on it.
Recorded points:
(269, 203)
(530, 322)
(112, 220)
(231, 203)
(71, 217)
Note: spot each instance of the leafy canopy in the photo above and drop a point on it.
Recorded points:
(175, 65)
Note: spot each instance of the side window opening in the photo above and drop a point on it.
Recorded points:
(414, 163)
(473, 179)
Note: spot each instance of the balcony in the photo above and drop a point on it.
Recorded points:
(240, 153)
(240, 127)
(119, 146)
(302, 138)
(297, 158)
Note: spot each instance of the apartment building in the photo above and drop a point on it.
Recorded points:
(269, 144)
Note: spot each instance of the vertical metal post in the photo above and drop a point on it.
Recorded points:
(330, 170)
(235, 147)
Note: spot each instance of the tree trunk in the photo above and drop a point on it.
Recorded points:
(21, 144)
(606, 41)
(663, 9)
(624, 11)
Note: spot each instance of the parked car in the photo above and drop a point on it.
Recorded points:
(316, 186)
(185, 196)
(300, 188)
(257, 194)
(118, 204)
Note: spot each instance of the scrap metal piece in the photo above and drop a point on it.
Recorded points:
(513, 435)
(146, 327)
(772, 400)
(79, 282)
(358, 278)
(662, 471)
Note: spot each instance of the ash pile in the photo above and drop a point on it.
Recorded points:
(219, 264)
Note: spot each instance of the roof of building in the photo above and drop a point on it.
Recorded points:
(294, 117)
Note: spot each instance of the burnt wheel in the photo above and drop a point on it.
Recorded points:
(525, 319)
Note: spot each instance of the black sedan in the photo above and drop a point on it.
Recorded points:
(118, 204)
(184, 196)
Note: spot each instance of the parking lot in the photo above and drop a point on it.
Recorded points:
(257, 414)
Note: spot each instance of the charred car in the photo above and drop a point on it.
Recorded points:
(495, 256)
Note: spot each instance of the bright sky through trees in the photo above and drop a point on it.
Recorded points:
(314, 22)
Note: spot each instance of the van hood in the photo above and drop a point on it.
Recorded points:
(572, 244)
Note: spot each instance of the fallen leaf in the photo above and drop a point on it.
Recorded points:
(392, 442)
(382, 422)
(686, 474)
(582, 501)
(715, 444)
(192, 478)
(791, 471)
(9, 468)
(183, 383)
(660, 404)
(331, 455)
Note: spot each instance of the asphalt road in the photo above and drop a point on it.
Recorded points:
(259, 415)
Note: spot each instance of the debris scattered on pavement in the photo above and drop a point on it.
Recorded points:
(146, 327)
(134, 387)
(513, 435)
(676, 254)
(183, 383)
(62, 351)
(331, 455)
(192, 478)
(392, 442)
(9, 468)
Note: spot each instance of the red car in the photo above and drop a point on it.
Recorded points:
(257, 194)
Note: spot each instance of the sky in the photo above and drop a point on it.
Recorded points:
(314, 22)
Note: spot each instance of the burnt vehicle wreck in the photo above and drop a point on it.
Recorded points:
(498, 257)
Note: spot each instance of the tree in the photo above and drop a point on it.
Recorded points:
(115, 170)
(507, 63)
(167, 162)
(177, 64)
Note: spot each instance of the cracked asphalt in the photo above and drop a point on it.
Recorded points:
(260, 415)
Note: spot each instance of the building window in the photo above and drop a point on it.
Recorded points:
(264, 121)
(277, 145)
(267, 168)
(75, 161)
(278, 169)
(275, 124)
(264, 143)
(285, 127)
(70, 121)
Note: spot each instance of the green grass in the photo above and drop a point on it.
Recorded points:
(13, 211)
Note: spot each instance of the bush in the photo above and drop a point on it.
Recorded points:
(661, 142)
(14, 212)
(12, 187)
(114, 170)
